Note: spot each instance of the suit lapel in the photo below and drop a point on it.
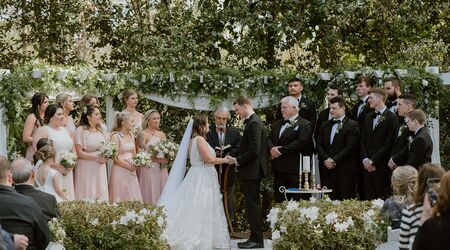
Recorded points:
(338, 132)
(214, 135)
(227, 136)
(289, 128)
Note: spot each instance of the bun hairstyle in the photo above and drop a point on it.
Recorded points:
(147, 116)
(61, 98)
(126, 94)
(120, 118)
(50, 111)
(46, 152)
(36, 102)
(86, 100)
(404, 181)
(85, 112)
(199, 126)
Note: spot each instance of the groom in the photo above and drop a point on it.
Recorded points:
(252, 167)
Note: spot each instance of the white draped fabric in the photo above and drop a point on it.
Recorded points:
(3, 134)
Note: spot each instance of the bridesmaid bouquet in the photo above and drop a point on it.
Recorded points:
(108, 149)
(164, 150)
(142, 159)
(68, 159)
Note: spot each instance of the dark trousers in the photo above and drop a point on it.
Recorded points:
(377, 184)
(288, 181)
(343, 185)
(359, 180)
(250, 189)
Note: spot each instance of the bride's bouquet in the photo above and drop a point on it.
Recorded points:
(68, 159)
(143, 159)
(164, 150)
(108, 149)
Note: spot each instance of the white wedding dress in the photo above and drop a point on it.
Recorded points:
(196, 217)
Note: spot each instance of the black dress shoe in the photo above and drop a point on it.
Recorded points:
(243, 242)
(251, 245)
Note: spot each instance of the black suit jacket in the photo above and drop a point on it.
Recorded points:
(232, 138)
(418, 152)
(307, 110)
(401, 141)
(376, 144)
(294, 140)
(45, 201)
(21, 215)
(363, 114)
(253, 156)
(343, 148)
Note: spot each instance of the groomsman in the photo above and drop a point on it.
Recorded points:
(289, 137)
(221, 135)
(406, 104)
(252, 167)
(377, 136)
(337, 142)
(420, 148)
(325, 115)
(362, 107)
(393, 88)
(359, 111)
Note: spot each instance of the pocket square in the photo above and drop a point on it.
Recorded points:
(296, 128)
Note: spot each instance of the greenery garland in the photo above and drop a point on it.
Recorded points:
(220, 84)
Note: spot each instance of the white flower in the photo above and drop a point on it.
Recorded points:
(282, 229)
(331, 218)
(378, 203)
(350, 221)
(327, 199)
(94, 222)
(276, 235)
(292, 205)
(424, 82)
(336, 202)
(341, 227)
(310, 212)
(140, 219)
(160, 221)
(312, 199)
(272, 217)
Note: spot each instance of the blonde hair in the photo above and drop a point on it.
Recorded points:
(147, 116)
(46, 152)
(120, 118)
(61, 98)
(404, 181)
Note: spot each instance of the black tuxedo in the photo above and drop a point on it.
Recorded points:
(376, 145)
(401, 141)
(232, 138)
(252, 167)
(342, 152)
(418, 151)
(45, 201)
(21, 215)
(295, 139)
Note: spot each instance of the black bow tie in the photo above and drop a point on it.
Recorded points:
(285, 121)
(392, 104)
(376, 114)
(360, 102)
(335, 121)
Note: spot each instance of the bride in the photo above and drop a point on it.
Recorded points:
(194, 208)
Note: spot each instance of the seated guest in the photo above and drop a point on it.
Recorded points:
(12, 241)
(23, 178)
(404, 181)
(411, 214)
(420, 148)
(19, 213)
(435, 231)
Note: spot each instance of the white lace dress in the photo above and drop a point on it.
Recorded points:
(47, 186)
(196, 220)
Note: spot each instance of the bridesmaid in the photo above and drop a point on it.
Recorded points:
(90, 176)
(62, 142)
(65, 101)
(124, 185)
(93, 101)
(130, 100)
(151, 180)
(39, 103)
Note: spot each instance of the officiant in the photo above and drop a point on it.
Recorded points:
(222, 136)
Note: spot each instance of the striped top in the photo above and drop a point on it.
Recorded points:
(409, 225)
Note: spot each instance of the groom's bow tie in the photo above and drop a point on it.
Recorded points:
(284, 122)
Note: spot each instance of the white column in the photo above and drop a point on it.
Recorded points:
(109, 112)
(3, 134)
(434, 133)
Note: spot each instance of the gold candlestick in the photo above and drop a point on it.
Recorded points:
(313, 181)
(300, 181)
(306, 180)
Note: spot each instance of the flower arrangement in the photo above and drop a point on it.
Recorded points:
(57, 231)
(68, 159)
(164, 150)
(326, 224)
(143, 159)
(108, 149)
(93, 224)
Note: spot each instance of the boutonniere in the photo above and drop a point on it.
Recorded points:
(302, 105)
(400, 130)
(410, 139)
(380, 119)
(339, 127)
(291, 123)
